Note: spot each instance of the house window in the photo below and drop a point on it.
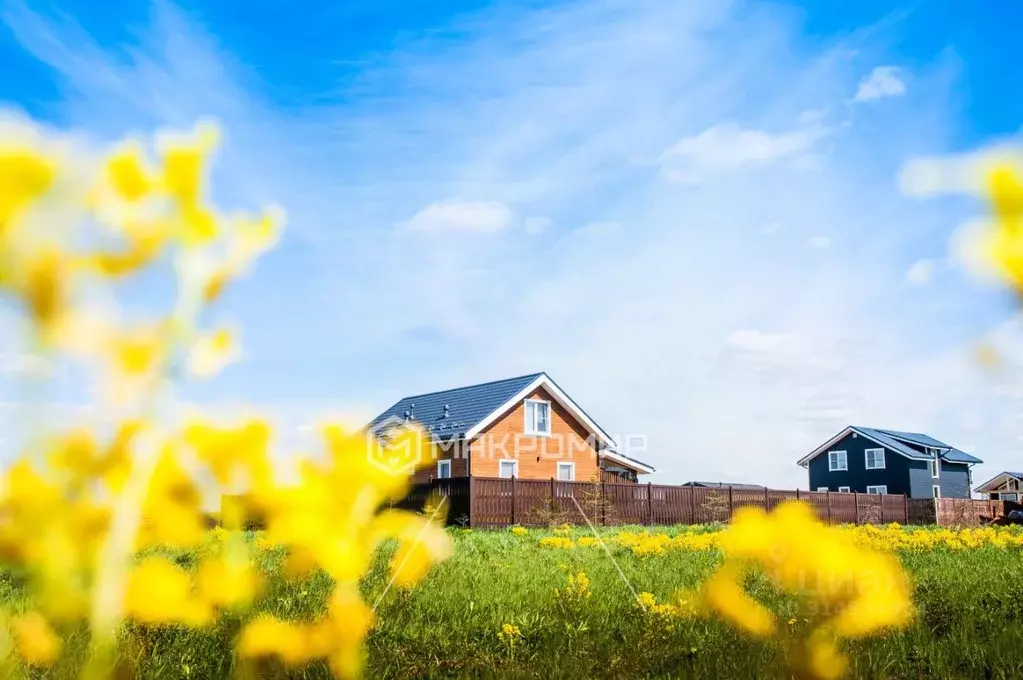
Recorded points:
(935, 469)
(843, 489)
(1013, 485)
(1008, 496)
(823, 488)
(883, 488)
(936, 491)
(566, 472)
(508, 469)
(538, 417)
(837, 461)
(443, 469)
(875, 459)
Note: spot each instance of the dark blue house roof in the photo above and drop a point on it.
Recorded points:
(466, 406)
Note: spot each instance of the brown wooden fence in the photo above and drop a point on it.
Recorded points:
(956, 511)
(490, 502)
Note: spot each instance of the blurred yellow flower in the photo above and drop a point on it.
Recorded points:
(212, 352)
(266, 636)
(160, 592)
(25, 175)
(35, 640)
(227, 583)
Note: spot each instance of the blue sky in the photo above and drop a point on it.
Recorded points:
(687, 213)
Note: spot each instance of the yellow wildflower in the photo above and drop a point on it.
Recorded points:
(724, 594)
(25, 175)
(159, 592)
(519, 531)
(35, 640)
(556, 542)
(128, 174)
(266, 636)
(211, 353)
(227, 583)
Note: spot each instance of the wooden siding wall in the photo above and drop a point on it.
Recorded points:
(505, 439)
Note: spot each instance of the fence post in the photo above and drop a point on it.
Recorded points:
(691, 490)
(856, 506)
(905, 508)
(472, 499)
(603, 503)
(649, 503)
(797, 494)
(554, 495)
(828, 499)
(767, 500)
(513, 499)
(731, 507)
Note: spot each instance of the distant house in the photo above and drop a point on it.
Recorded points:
(525, 427)
(726, 485)
(1004, 487)
(871, 460)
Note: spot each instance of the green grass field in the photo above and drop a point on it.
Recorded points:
(970, 611)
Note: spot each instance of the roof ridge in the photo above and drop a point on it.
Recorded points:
(466, 387)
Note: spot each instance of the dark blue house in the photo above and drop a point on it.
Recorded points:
(870, 460)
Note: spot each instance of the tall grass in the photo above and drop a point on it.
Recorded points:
(970, 609)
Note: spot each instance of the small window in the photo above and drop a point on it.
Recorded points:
(1013, 485)
(823, 488)
(837, 461)
(935, 469)
(875, 459)
(843, 489)
(538, 417)
(882, 488)
(936, 491)
(1008, 496)
(508, 469)
(443, 469)
(566, 472)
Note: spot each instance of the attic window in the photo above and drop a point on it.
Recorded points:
(538, 417)
(1014, 485)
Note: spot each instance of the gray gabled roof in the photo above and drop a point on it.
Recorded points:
(1017, 475)
(897, 440)
(467, 406)
(728, 485)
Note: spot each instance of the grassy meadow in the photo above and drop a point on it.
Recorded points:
(970, 609)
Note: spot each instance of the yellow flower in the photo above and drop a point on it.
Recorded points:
(227, 583)
(826, 662)
(646, 600)
(35, 640)
(557, 542)
(25, 175)
(159, 592)
(211, 353)
(519, 531)
(266, 636)
(128, 174)
(725, 595)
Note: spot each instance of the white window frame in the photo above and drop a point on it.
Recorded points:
(530, 427)
(935, 464)
(866, 459)
(441, 464)
(821, 489)
(878, 488)
(844, 489)
(936, 491)
(1012, 485)
(571, 469)
(506, 461)
(844, 459)
(1009, 496)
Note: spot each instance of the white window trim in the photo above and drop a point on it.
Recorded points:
(1003, 496)
(822, 489)
(570, 466)
(866, 459)
(1012, 485)
(935, 464)
(844, 489)
(878, 488)
(501, 463)
(443, 464)
(936, 491)
(527, 427)
(844, 459)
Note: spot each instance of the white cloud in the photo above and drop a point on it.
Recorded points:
(728, 147)
(883, 81)
(484, 217)
(920, 273)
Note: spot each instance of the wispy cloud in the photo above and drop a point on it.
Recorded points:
(481, 216)
(883, 81)
(630, 288)
(728, 147)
